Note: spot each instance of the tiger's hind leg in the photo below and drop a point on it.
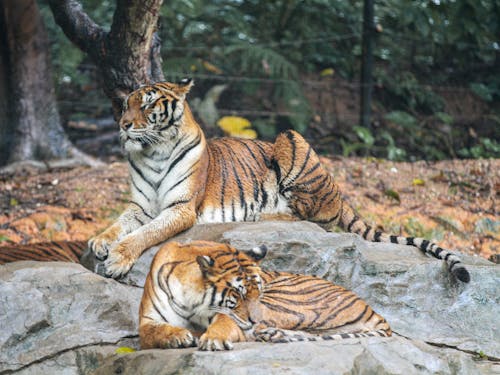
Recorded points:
(309, 189)
(313, 195)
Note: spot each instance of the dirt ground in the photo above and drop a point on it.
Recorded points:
(452, 202)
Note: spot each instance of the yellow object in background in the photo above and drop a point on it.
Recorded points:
(327, 72)
(236, 126)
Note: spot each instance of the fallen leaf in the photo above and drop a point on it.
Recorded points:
(392, 194)
(124, 350)
(327, 72)
(418, 182)
(236, 126)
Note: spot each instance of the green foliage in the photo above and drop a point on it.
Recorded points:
(268, 41)
(265, 48)
(484, 148)
(402, 118)
(485, 92)
(67, 59)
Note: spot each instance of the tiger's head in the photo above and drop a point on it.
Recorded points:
(235, 277)
(152, 114)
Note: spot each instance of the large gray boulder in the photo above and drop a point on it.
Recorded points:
(415, 293)
(63, 319)
(49, 309)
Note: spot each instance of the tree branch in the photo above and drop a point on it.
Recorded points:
(134, 23)
(77, 25)
(156, 61)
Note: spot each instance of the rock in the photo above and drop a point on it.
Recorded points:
(395, 355)
(416, 293)
(49, 308)
(445, 326)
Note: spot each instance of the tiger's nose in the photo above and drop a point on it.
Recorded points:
(127, 126)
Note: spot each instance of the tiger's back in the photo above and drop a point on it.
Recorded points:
(238, 185)
(282, 306)
(311, 305)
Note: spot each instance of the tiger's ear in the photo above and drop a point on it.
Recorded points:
(257, 253)
(183, 87)
(205, 262)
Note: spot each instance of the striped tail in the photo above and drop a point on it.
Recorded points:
(350, 222)
(61, 251)
(276, 335)
(313, 195)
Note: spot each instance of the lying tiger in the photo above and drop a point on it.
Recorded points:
(179, 179)
(213, 288)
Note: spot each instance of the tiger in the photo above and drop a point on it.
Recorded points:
(212, 295)
(185, 283)
(178, 179)
(61, 251)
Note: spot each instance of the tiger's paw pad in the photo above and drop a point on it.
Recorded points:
(213, 343)
(181, 339)
(100, 247)
(117, 265)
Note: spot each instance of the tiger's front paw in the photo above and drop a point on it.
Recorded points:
(100, 247)
(212, 342)
(120, 260)
(180, 338)
(102, 243)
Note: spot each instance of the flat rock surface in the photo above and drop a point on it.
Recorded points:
(375, 356)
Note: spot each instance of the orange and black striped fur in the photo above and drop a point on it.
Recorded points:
(179, 179)
(62, 251)
(221, 293)
(184, 286)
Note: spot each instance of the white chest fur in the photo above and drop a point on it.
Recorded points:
(182, 305)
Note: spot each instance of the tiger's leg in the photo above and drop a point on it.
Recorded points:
(177, 217)
(220, 334)
(159, 325)
(313, 195)
(132, 218)
(164, 336)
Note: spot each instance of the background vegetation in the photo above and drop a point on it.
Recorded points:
(293, 63)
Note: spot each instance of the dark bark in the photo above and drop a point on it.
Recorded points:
(31, 128)
(126, 56)
(6, 128)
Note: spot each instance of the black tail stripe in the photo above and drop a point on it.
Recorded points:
(354, 219)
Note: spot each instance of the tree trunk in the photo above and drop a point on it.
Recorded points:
(128, 55)
(6, 128)
(31, 128)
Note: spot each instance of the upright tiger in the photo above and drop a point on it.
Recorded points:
(178, 179)
(213, 290)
